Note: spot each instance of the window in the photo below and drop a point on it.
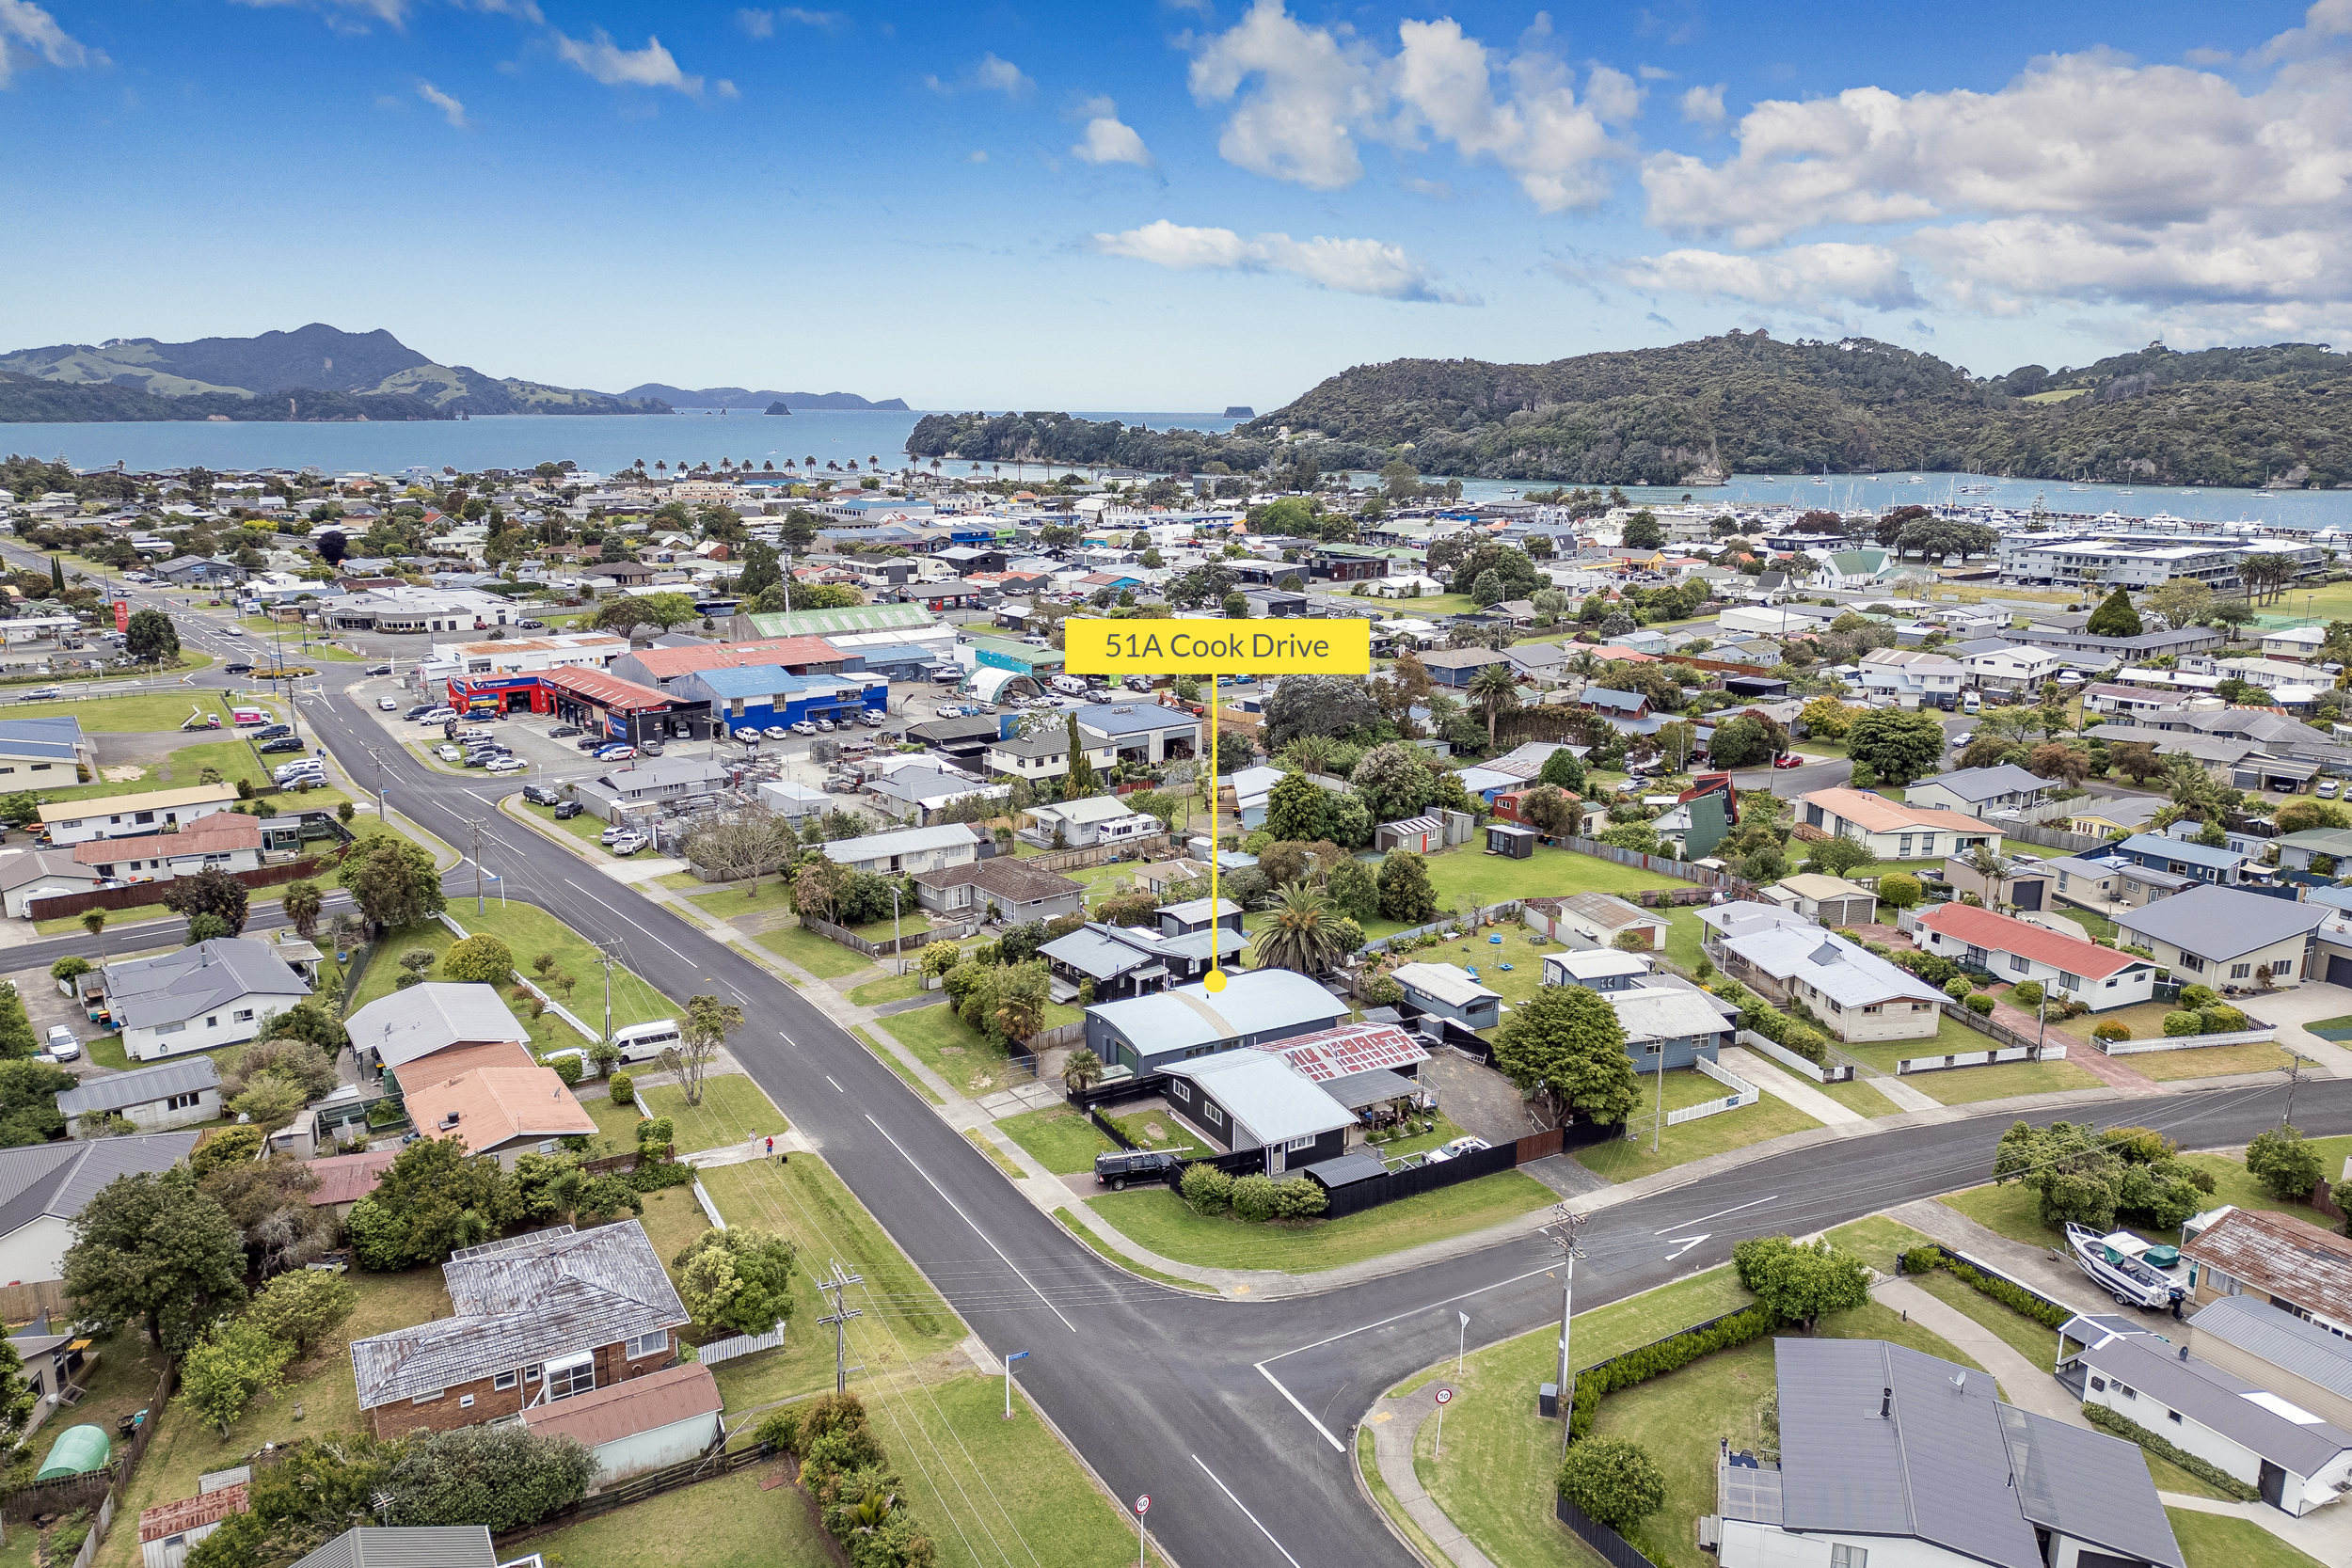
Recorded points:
(2176, 1417)
(2019, 962)
(170, 1028)
(1208, 1109)
(2127, 1390)
(654, 1343)
(2098, 1385)
(182, 1101)
(465, 1401)
(1180, 1092)
(1843, 1556)
(2239, 972)
(503, 1381)
(2190, 960)
(242, 1015)
(1295, 1145)
(1902, 850)
(1926, 845)
(212, 1021)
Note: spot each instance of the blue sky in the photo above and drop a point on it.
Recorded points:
(1170, 206)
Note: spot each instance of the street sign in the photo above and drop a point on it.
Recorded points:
(1445, 1396)
(1143, 1504)
(1018, 1356)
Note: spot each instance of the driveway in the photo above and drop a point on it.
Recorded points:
(1478, 1099)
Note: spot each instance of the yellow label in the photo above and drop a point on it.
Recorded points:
(1285, 647)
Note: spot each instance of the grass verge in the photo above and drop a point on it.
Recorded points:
(797, 944)
(1070, 1223)
(1160, 1221)
(890, 1059)
(2221, 1541)
(1628, 1158)
(1063, 1140)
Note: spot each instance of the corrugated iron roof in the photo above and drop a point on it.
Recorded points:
(624, 1409)
(187, 1514)
(2282, 1256)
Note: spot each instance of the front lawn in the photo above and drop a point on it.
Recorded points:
(2209, 1061)
(1965, 1086)
(1627, 1157)
(965, 1058)
(1160, 1221)
(732, 1522)
(732, 1111)
(2029, 1338)
(826, 959)
(2222, 1540)
(1061, 1138)
(528, 931)
(2011, 1208)
(897, 988)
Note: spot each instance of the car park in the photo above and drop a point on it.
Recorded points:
(506, 765)
(386, 704)
(567, 810)
(542, 795)
(283, 743)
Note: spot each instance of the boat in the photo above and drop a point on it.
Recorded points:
(2264, 496)
(2113, 1263)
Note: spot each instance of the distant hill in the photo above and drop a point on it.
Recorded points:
(29, 399)
(1745, 402)
(737, 397)
(315, 364)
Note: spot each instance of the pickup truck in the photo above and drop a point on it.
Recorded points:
(1152, 1165)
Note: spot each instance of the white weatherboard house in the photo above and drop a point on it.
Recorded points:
(154, 1099)
(130, 816)
(211, 994)
(43, 1186)
(908, 849)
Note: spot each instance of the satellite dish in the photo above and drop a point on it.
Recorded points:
(1961, 1382)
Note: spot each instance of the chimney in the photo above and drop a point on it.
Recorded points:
(1886, 1404)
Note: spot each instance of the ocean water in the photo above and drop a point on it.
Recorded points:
(601, 443)
(605, 443)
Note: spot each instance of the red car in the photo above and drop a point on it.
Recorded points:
(1790, 759)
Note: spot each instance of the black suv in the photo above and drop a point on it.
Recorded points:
(271, 731)
(239, 669)
(569, 809)
(379, 669)
(282, 743)
(1150, 1165)
(542, 795)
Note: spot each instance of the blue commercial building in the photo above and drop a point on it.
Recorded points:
(895, 662)
(765, 695)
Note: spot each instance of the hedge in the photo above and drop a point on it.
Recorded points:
(1665, 1355)
(1758, 1015)
(2131, 1431)
(2015, 1297)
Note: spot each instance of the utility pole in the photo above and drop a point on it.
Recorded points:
(480, 905)
(604, 957)
(377, 757)
(1658, 1129)
(2294, 1069)
(839, 1318)
(1567, 1240)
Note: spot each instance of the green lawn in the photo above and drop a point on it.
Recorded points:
(1160, 1221)
(1628, 1158)
(1062, 1139)
(141, 710)
(1466, 873)
(1877, 1240)
(2029, 1338)
(528, 931)
(1860, 1096)
(1070, 1223)
(949, 1047)
(1966, 1085)
(895, 989)
(732, 1111)
(824, 958)
(2212, 1061)
(727, 900)
(730, 1523)
(2219, 1541)
(889, 1058)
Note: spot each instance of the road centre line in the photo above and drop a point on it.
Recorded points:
(977, 1231)
(1246, 1514)
(1365, 1328)
(1716, 1216)
(1301, 1409)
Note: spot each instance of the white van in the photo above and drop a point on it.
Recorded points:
(1971, 703)
(645, 1042)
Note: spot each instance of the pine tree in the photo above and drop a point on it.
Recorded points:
(2115, 616)
(56, 574)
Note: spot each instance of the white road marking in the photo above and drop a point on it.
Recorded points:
(1246, 1514)
(788, 1039)
(601, 904)
(1301, 1409)
(1688, 1243)
(1716, 1216)
(975, 1229)
(838, 1089)
(1401, 1315)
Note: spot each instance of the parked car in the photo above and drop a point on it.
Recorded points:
(415, 715)
(386, 704)
(562, 732)
(473, 732)
(448, 753)
(748, 735)
(1960, 741)
(506, 765)
(872, 720)
(803, 727)
(1466, 1144)
(63, 1046)
(590, 742)
(379, 669)
(1788, 760)
(615, 830)
(2328, 788)
(629, 844)
(616, 753)
(1150, 1164)
(532, 626)
(542, 795)
(949, 711)
(240, 668)
(650, 749)
(271, 731)
(283, 743)
(567, 810)
(436, 715)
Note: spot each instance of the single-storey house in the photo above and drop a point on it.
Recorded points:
(2297, 850)
(407, 1546)
(1830, 900)
(438, 1015)
(496, 1098)
(43, 1187)
(129, 816)
(538, 1318)
(2105, 815)
(1595, 919)
(2297, 1460)
(1785, 957)
(227, 840)
(343, 1180)
(2026, 884)
(2068, 967)
(2299, 1361)
(1892, 829)
(1976, 791)
(1144, 1034)
(154, 1099)
(2281, 1262)
(1241, 1100)
(2223, 936)
(1601, 969)
(211, 994)
(644, 1423)
(1000, 887)
(1133, 961)
(27, 874)
(1450, 992)
(1667, 1028)
(910, 849)
(1084, 824)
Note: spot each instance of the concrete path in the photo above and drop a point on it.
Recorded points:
(1395, 1426)
(1892, 1087)
(2325, 1534)
(1781, 1084)
(2023, 1384)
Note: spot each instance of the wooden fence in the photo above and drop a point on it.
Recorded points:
(851, 940)
(1099, 854)
(138, 895)
(23, 1303)
(637, 1489)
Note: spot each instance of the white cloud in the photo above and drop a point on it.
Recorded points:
(27, 32)
(1347, 266)
(1704, 106)
(987, 75)
(1304, 94)
(762, 25)
(1867, 275)
(522, 10)
(344, 16)
(977, 155)
(650, 67)
(451, 109)
(1109, 142)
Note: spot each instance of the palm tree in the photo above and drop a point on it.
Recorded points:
(1995, 870)
(1022, 1013)
(1303, 934)
(1497, 691)
(1082, 1071)
(302, 904)
(94, 920)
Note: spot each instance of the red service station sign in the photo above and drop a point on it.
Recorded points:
(122, 615)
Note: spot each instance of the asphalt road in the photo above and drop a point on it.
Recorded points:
(1235, 1416)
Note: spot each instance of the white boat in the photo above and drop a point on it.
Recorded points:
(2264, 496)
(2113, 1265)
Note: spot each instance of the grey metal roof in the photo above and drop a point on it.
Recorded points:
(187, 1075)
(1373, 1086)
(2214, 1398)
(176, 986)
(1983, 783)
(521, 1301)
(58, 1178)
(2182, 850)
(1254, 1002)
(1106, 952)
(412, 1547)
(1270, 1102)
(2282, 1339)
(1949, 1465)
(2220, 923)
(666, 773)
(421, 1020)
(1347, 1168)
(1831, 964)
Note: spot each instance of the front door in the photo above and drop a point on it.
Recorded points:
(2273, 1485)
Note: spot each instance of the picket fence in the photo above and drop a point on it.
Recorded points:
(1909, 1064)
(1841, 1072)
(2188, 1042)
(1743, 1093)
(742, 1344)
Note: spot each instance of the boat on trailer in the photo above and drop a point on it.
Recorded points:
(2114, 1265)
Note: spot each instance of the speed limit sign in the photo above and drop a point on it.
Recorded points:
(1444, 1395)
(1143, 1504)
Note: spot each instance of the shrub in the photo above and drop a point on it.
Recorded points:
(2212, 1475)
(567, 1069)
(1957, 987)
(2017, 1298)
(2111, 1032)
(2220, 1020)
(1298, 1199)
(1616, 1482)
(2285, 1164)
(1384, 992)
(2178, 1025)
(2027, 995)
(1207, 1189)
(1808, 1043)
(623, 1090)
(1666, 1355)
(2198, 998)
(1253, 1197)
(1979, 1003)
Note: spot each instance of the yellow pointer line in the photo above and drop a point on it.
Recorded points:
(1215, 981)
